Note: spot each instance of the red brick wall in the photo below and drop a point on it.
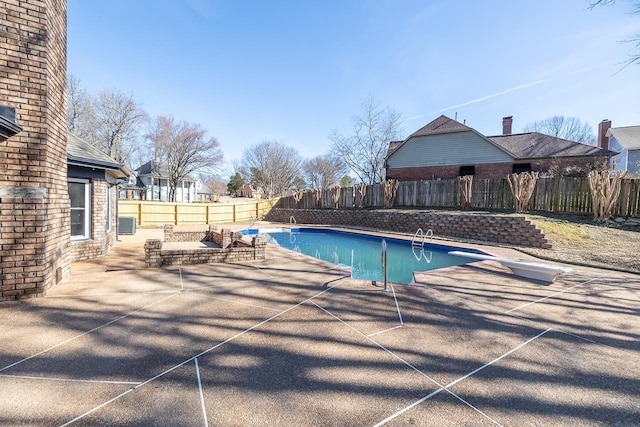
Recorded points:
(492, 170)
(34, 202)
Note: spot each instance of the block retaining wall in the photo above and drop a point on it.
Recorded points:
(232, 249)
(170, 235)
(513, 230)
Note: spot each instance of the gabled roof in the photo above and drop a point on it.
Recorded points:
(442, 124)
(151, 168)
(137, 185)
(628, 137)
(203, 190)
(534, 145)
(393, 146)
(81, 153)
(156, 169)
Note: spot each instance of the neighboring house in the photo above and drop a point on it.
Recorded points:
(446, 149)
(152, 183)
(92, 179)
(626, 141)
(204, 193)
(249, 190)
(133, 189)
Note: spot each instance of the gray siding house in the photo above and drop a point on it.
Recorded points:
(625, 141)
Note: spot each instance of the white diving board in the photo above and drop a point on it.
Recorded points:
(530, 270)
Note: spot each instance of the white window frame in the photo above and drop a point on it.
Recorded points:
(109, 208)
(87, 208)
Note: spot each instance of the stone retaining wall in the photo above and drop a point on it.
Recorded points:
(170, 235)
(507, 229)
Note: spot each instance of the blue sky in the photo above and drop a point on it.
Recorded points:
(295, 70)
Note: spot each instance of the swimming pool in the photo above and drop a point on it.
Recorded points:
(362, 253)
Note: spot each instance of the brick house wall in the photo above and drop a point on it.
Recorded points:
(102, 238)
(34, 201)
(495, 170)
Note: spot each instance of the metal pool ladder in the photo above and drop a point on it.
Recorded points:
(292, 220)
(419, 237)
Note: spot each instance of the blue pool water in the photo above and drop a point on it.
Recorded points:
(362, 253)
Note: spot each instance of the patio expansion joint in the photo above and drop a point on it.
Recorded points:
(464, 377)
(75, 380)
(117, 319)
(202, 353)
(412, 367)
(523, 318)
(550, 296)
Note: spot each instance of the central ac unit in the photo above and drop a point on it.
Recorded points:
(126, 225)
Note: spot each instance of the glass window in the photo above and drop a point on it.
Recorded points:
(467, 170)
(521, 167)
(79, 195)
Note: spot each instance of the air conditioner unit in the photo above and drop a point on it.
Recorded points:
(126, 225)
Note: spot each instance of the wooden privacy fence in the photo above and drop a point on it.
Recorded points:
(159, 213)
(557, 195)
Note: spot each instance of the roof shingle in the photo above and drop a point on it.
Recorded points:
(628, 136)
(442, 124)
(534, 145)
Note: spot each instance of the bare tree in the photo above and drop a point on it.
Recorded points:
(324, 171)
(634, 58)
(466, 183)
(214, 183)
(111, 121)
(390, 190)
(183, 149)
(273, 166)
(605, 190)
(80, 117)
(570, 128)
(365, 149)
(118, 119)
(362, 192)
(522, 187)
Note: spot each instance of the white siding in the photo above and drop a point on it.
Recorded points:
(633, 165)
(619, 161)
(460, 148)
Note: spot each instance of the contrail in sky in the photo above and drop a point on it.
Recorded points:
(513, 89)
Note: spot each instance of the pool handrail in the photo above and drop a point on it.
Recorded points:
(384, 263)
(420, 236)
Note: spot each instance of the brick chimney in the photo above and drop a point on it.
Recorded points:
(603, 127)
(506, 125)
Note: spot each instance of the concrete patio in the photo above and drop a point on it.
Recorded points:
(292, 341)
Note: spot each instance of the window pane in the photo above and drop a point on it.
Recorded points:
(77, 222)
(76, 194)
(522, 167)
(467, 170)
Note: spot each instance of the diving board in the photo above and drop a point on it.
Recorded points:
(530, 270)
